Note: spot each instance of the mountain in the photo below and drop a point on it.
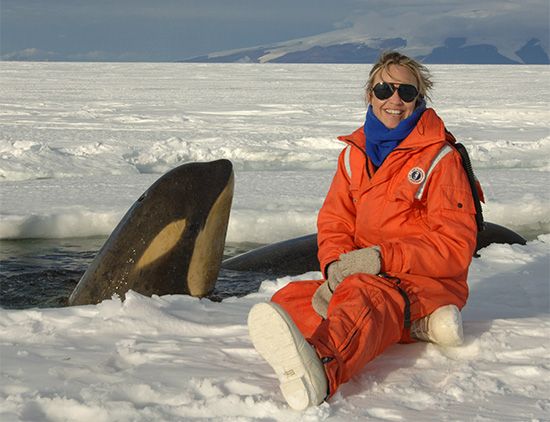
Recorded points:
(533, 52)
(453, 32)
(454, 50)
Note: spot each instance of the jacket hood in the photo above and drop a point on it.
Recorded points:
(430, 129)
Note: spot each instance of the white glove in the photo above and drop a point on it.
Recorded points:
(334, 275)
(366, 260)
(321, 298)
(323, 294)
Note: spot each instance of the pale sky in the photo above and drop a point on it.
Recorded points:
(168, 30)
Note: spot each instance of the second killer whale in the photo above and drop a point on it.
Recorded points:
(299, 255)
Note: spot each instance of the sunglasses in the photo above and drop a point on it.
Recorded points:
(384, 90)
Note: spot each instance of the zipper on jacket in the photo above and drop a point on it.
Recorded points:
(347, 141)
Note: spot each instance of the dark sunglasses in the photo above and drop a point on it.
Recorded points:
(384, 90)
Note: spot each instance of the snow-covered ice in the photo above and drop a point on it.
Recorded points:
(79, 142)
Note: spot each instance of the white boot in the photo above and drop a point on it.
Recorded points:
(443, 327)
(301, 374)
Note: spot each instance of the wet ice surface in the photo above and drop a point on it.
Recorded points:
(44, 272)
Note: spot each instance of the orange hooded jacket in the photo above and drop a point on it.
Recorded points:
(417, 207)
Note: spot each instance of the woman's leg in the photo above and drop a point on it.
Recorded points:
(295, 299)
(365, 316)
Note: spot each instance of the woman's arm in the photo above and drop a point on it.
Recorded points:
(446, 248)
(336, 219)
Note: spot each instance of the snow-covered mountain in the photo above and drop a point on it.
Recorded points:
(454, 50)
(492, 34)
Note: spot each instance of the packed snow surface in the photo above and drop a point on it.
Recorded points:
(79, 142)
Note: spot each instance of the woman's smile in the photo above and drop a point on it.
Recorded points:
(393, 110)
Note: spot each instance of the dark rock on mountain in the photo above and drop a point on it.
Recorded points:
(533, 53)
(392, 44)
(454, 52)
(340, 53)
(247, 56)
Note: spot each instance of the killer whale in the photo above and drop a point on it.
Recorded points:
(170, 241)
(299, 255)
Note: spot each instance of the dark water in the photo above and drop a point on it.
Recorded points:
(44, 272)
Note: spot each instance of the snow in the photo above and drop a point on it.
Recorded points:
(80, 142)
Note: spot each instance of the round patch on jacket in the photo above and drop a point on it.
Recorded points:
(416, 175)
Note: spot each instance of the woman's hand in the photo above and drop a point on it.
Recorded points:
(334, 275)
(321, 298)
(323, 294)
(366, 260)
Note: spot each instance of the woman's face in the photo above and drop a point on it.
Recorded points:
(393, 110)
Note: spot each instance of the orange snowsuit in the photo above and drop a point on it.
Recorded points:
(418, 208)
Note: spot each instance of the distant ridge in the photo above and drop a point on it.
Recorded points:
(454, 50)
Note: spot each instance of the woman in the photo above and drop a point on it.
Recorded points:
(396, 235)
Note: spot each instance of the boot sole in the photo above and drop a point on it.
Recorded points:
(280, 343)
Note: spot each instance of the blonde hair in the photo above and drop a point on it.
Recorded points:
(389, 58)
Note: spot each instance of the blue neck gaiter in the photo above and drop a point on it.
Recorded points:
(381, 141)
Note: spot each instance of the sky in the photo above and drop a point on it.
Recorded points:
(168, 30)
